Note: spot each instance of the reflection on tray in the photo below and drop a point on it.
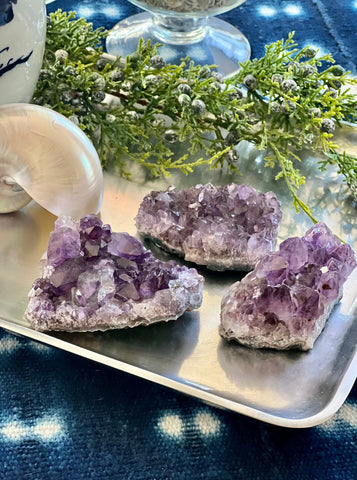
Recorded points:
(161, 347)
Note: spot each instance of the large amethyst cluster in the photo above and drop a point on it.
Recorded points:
(285, 301)
(223, 227)
(96, 279)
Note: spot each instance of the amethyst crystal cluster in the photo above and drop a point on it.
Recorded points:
(225, 227)
(285, 301)
(95, 279)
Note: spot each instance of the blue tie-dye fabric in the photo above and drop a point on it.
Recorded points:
(65, 417)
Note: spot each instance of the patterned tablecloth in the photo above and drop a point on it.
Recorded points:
(65, 417)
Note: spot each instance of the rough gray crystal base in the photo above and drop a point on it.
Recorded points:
(285, 301)
(223, 227)
(95, 279)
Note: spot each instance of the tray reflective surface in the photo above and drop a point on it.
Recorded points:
(292, 389)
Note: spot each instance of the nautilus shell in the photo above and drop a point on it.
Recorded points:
(45, 157)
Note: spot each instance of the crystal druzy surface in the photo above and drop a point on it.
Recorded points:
(285, 301)
(96, 279)
(223, 227)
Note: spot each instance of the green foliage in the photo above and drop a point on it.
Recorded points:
(347, 166)
(140, 108)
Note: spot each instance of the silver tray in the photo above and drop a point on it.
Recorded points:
(291, 389)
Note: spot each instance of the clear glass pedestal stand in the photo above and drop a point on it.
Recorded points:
(206, 40)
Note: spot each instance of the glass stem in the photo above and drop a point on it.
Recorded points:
(176, 30)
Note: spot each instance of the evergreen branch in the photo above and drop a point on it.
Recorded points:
(138, 109)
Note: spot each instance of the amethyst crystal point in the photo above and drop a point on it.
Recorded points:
(285, 301)
(64, 242)
(226, 227)
(95, 279)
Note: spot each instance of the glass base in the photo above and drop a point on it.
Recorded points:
(212, 42)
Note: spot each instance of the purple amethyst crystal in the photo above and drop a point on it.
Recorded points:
(224, 227)
(95, 279)
(285, 301)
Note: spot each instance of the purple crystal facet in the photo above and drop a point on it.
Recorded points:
(225, 227)
(285, 301)
(95, 279)
(63, 243)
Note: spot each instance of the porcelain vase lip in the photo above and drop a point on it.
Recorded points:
(22, 44)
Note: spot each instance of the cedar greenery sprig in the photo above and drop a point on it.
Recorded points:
(140, 108)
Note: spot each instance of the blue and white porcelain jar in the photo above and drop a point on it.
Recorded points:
(22, 43)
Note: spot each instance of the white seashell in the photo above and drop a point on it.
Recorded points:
(45, 157)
